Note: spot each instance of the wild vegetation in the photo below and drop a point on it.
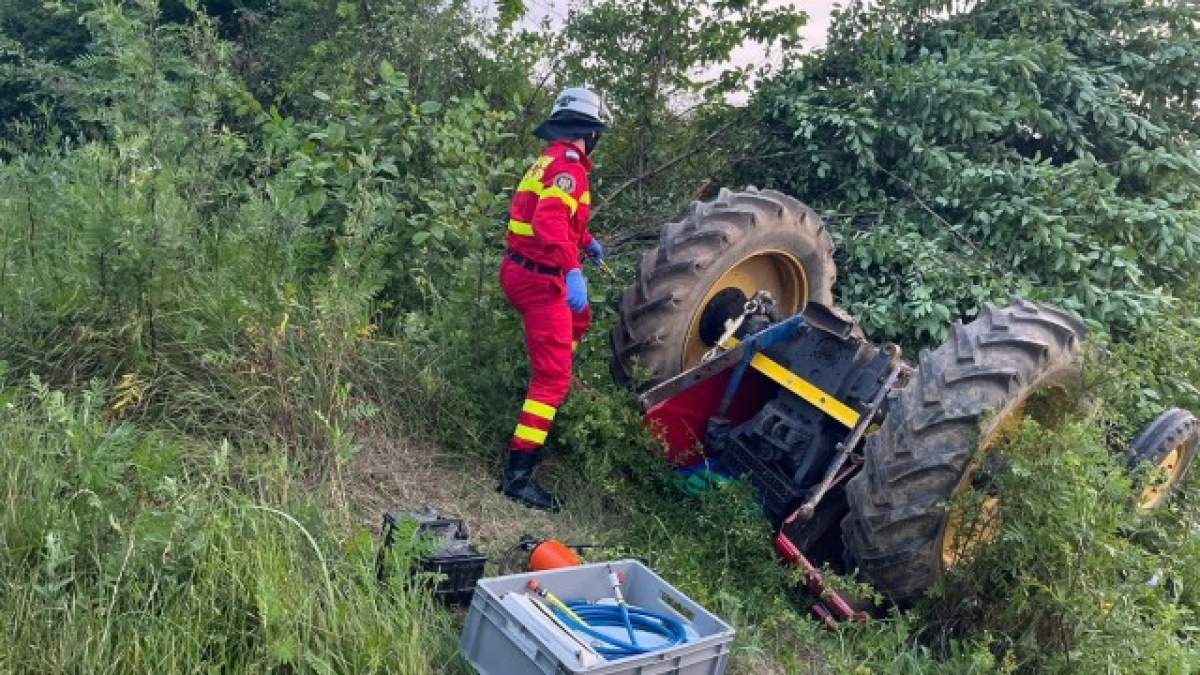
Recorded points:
(247, 261)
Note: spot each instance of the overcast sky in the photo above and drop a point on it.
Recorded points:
(813, 33)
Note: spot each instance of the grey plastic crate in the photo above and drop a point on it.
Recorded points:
(495, 642)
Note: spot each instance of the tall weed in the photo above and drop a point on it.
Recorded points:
(128, 551)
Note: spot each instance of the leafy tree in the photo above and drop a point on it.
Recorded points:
(35, 44)
(647, 53)
(41, 39)
(964, 152)
(46, 32)
(444, 48)
(649, 58)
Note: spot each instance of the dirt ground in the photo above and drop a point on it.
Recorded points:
(391, 474)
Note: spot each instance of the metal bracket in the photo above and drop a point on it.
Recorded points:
(762, 302)
(831, 606)
(809, 507)
(752, 345)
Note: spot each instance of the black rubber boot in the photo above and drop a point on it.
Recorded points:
(519, 485)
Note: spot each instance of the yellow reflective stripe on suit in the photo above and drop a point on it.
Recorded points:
(538, 408)
(530, 434)
(530, 185)
(520, 227)
(552, 192)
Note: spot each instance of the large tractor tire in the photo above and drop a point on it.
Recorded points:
(903, 531)
(1161, 456)
(704, 269)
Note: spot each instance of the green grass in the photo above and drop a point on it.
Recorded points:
(123, 550)
(126, 548)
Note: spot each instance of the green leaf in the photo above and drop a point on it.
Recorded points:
(430, 107)
(387, 72)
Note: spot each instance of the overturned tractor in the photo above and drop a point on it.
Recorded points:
(858, 457)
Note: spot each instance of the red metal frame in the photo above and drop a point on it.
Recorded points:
(681, 421)
(831, 605)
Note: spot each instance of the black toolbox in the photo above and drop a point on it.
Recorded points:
(453, 558)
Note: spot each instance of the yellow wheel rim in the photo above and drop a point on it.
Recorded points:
(963, 538)
(968, 530)
(774, 271)
(1170, 469)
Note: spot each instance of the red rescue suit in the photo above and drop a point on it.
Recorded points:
(548, 227)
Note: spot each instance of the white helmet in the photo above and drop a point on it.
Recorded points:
(583, 101)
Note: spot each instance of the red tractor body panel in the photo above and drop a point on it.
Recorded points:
(681, 420)
(786, 408)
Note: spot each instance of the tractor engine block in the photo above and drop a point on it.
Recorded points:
(784, 449)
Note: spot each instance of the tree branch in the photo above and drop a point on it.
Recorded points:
(663, 167)
(986, 259)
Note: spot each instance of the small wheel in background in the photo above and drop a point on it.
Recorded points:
(1161, 455)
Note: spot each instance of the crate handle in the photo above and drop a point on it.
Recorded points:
(527, 643)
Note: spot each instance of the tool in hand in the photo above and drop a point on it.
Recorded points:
(596, 255)
(607, 270)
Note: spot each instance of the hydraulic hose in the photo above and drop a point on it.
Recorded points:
(670, 629)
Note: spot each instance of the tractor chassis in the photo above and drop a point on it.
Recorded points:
(688, 411)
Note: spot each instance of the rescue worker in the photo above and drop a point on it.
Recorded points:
(542, 279)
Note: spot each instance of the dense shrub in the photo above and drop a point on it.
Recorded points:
(203, 267)
(1074, 583)
(963, 152)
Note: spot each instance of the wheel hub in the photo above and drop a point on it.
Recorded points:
(725, 305)
(777, 272)
(967, 529)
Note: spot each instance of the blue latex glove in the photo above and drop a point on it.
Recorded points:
(595, 250)
(576, 290)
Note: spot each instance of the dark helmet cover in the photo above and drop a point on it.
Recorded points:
(567, 125)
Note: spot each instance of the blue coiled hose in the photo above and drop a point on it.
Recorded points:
(629, 617)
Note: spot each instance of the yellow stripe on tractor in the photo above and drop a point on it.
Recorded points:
(805, 390)
(819, 398)
(538, 408)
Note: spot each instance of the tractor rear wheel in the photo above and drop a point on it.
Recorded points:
(704, 269)
(1168, 446)
(903, 530)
